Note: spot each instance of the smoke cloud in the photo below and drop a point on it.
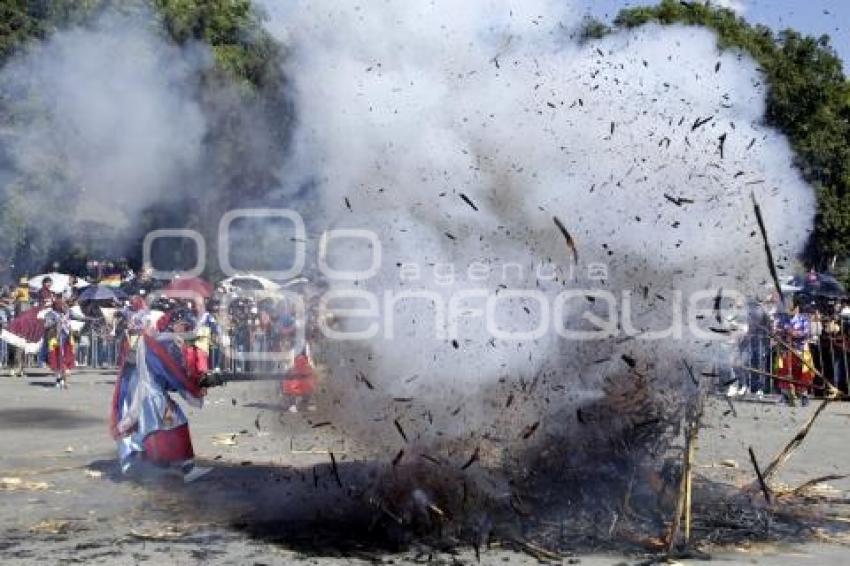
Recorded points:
(456, 132)
(104, 121)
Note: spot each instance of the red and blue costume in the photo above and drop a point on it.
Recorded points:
(146, 421)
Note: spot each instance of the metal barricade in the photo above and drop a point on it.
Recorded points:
(97, 351)
(238, 350)
(825, 353)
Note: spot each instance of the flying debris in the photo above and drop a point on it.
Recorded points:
(530, 430)
(718, 330)
(468, 201)
(700, 122)
(678, 201)
(472, 459)
(718, 299)
(431, 459)
(768, 253)
(571, 245)
(398, 457)
(400, 430)
(360, 376)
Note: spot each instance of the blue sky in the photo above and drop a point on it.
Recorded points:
(813, 17)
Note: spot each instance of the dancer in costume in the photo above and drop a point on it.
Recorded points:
(299, 382)
(147, 422)
(59, 340)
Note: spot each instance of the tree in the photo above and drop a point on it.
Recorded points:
(591, 28)
(242, 48)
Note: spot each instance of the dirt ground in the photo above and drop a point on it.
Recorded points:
(63, 500)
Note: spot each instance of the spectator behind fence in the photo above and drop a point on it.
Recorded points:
(795, 364)
(834, 350)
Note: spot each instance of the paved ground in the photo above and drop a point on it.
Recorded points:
(62, 500)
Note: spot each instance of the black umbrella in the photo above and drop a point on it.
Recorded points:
(820, 285)
(101, 293)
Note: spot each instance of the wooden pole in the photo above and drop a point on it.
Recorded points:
(689, 483)
(683, 502)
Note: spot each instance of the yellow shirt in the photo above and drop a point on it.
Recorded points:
(22, 294)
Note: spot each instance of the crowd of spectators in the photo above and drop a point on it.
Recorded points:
(240, 331)
(797, 349)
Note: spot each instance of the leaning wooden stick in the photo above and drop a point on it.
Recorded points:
(781, 378)
(811, 483)
(764, 489)
(798, 439)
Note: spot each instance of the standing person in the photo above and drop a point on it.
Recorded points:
(264, 341)
(44, 300)
(195, 339)
(241, 334)
(146, 422)
(209, 334)
(72, 292)
(59, 341)
(25, 332)
(816, 326)
(834, 346)
(797, 364)
(735, 352)
(44, 297)
(5, 312)
(21, 297)
(299, 382)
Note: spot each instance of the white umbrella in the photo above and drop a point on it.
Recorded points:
(59, 282)
(248, 282)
